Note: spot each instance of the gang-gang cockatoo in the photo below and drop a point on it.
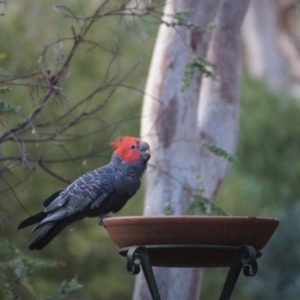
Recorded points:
(94, 194)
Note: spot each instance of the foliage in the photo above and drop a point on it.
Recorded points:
(4, 89)
(179, 19)
(65, 289)
(212, 26)
(168, 208)
(199, 205)
(203, 65)
(219, 152)
(196, 62)
(6, 107)
(16, 270)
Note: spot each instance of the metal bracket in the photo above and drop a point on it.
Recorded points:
(244, 258)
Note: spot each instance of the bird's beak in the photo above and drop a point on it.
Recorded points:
(145, 150)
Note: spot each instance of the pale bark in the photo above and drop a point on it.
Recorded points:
(218, 110)
(263, 55)
(175, 127)
(169, 116)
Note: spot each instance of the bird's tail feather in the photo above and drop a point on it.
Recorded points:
(47, 235)
(52, 229)
(42, 215)
(64, 215)
(32, 220)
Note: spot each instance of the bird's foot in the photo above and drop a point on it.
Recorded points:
(101, 218)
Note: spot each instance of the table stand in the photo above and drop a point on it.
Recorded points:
(244, 257)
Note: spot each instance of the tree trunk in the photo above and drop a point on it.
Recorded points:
(262, 49)
(175, 123)
(218, 110)
(270, 34)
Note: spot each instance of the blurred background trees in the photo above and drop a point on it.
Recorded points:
(107, 75)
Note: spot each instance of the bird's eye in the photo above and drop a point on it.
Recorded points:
(132, 147)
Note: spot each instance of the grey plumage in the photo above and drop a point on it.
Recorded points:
(96, 193)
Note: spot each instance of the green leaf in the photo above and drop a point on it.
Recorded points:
(168, 208)
(203, 65)
(211, 26)
(66, 287)
(8, 108)
(220, 152)
(180, 20)
(4, 89)
(200, 205)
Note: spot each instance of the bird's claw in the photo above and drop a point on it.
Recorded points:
(101, 218)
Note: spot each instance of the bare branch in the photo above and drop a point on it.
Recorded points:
(53, 174)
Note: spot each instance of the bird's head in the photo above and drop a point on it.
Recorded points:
(130, 149)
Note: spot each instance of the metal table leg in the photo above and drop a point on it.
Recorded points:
(244, 258)
(137, 256)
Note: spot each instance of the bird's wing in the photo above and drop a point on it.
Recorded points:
(87, 192)
(52, 197)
